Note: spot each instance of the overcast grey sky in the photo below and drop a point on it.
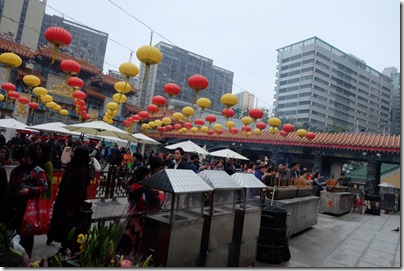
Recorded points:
(242, 36)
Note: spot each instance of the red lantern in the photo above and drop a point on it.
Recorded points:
(256, 113)
(288, 127)
(188, 125)
(13, 95)
(234, 130)
(83, 108)
(210, 118)
(219, 132)
(136, 118)
(143, 114)
(246, 129)
(171, 89)
(70, 66)
(283, 133)
(228, 113)
(161, 129)
(159, 100)
(33, 105)
(260, 125)
(23, 100)
(169, 127)
(59, 37)
(152, 108)
(310, 135)
(199, 122)
(87, 117)
(75, 82)
(177, 126)
(79, 95)
(210, 132)
(8, 87)
(126, 123)
(81, 103)
(198, 82)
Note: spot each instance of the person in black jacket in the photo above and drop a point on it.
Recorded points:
(178, 162)
(72, 194)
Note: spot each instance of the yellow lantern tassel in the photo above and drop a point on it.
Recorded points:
(146, 71)
(55, 51)
(8, 72)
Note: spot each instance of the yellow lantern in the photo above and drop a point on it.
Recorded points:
(46, 98)
(152, 124)
(1, 97)
(217, 126)
(230, 124)
(31, 81)
(122, 87)
(274, 122)
(246, 120)
(301, 133)
(112, 106)
(50, 105)
(188, 111)
(204, 129)
(194, 129)
(146, 126)
(40, 91)
(203, 103)
(178, 116)
(158, 122)
(106, 118)
(273, 130)
(229, 99)
(128, 69)
(57, 108)
(257, 131)
(110, 121)
(119, 98)
(148, 55)
(166, 121)
(11, 60)
(64, 112)
(183, 130)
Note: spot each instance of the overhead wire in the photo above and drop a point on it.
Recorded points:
(122, 45)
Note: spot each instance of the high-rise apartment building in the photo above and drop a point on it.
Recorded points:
(245, 100)
(329, 90)
(88, 44)
(176, 66)
(393, 73)
(21, 20)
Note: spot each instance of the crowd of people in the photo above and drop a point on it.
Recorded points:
(37, 160)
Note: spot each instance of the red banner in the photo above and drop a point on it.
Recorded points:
(91, 189)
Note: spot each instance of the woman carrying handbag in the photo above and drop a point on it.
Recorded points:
(27, 181)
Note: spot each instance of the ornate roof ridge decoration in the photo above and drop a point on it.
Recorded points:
(94, 92)
(22, 50)
(62, 88)
(133, 108)
(323, 140)
(48, 52)
(22, 71)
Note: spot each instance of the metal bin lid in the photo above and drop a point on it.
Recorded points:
(219, 180)
(176, 181)
(248, 180)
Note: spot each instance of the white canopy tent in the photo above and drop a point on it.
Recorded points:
(188, 146)
(228, 154)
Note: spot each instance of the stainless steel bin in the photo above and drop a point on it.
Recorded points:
(174, 234)
(219, 218)
(247, 220)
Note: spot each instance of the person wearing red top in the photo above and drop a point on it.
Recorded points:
(27, 181)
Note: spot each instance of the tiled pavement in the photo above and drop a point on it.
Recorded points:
(348, 241)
